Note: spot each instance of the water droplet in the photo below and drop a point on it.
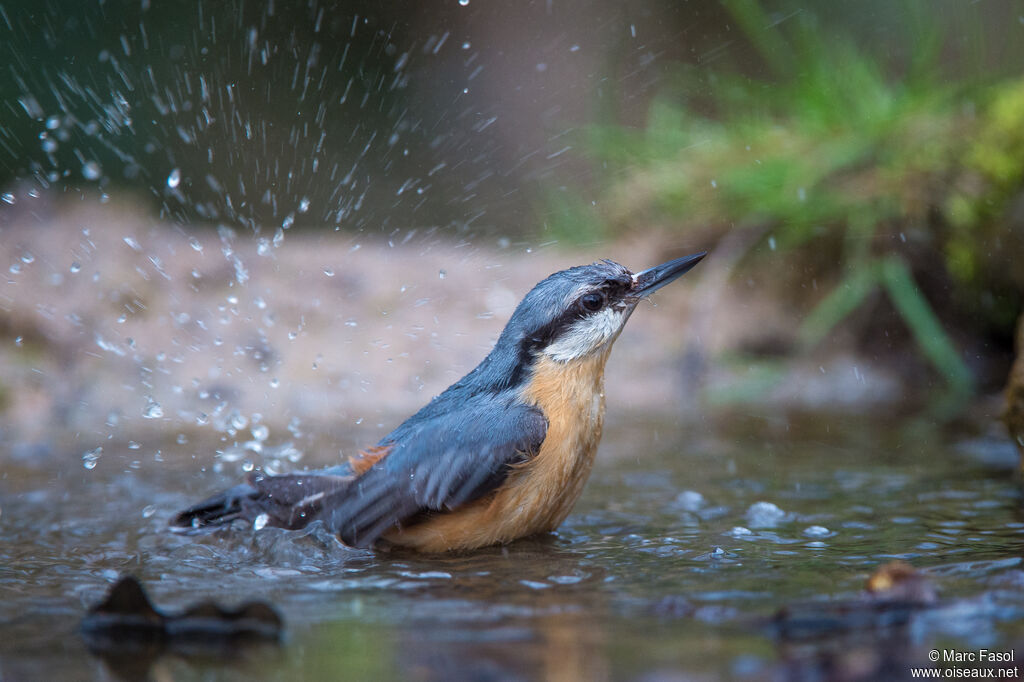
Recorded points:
(690, 500)
(132, 445)
(288, 221)
(260, 522)
(442, 274)
(91, 457)
(260, 432)
(194, 243)
(18, 340)
(174, 179)
(7, 198)
(153, 409)
(535, 584)
(75, 267)
(466, 45)
(248, 466)
(91, 170)
(303, 204)
(148, 511)
(329, 272)
(463, 2)
(771, 243)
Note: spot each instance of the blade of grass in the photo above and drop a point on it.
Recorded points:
(762, 33)
(843, 300)
(924, 325)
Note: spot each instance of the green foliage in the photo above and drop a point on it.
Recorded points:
(984, 240)
(832, 144)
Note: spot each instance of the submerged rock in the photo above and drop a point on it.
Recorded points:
(893, 594)
(130, 634)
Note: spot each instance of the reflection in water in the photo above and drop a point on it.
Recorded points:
(550, 625)
(554, 639)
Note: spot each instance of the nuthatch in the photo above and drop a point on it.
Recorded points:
(502, 454)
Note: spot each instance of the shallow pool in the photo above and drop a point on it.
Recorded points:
(688, 539)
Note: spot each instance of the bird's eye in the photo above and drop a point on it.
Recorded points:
(592, 302)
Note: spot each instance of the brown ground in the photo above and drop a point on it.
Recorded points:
(107, 313)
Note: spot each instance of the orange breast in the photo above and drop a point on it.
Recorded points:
(540, 493)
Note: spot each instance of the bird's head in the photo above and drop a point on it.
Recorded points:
(579, 312)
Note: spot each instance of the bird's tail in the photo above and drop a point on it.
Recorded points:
(290, 501)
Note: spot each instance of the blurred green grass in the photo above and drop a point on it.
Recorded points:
(903, 176)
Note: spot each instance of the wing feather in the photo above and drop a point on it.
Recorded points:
(439, 464)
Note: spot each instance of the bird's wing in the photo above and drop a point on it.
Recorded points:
(436, 464)
(287, 501)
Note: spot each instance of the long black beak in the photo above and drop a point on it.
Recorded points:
(650, 280)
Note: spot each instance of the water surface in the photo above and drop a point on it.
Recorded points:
(688, 539)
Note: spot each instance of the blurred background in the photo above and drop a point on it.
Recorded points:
(239, 235)
(856, 172)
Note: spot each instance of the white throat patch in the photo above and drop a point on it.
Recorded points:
(588, 334)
